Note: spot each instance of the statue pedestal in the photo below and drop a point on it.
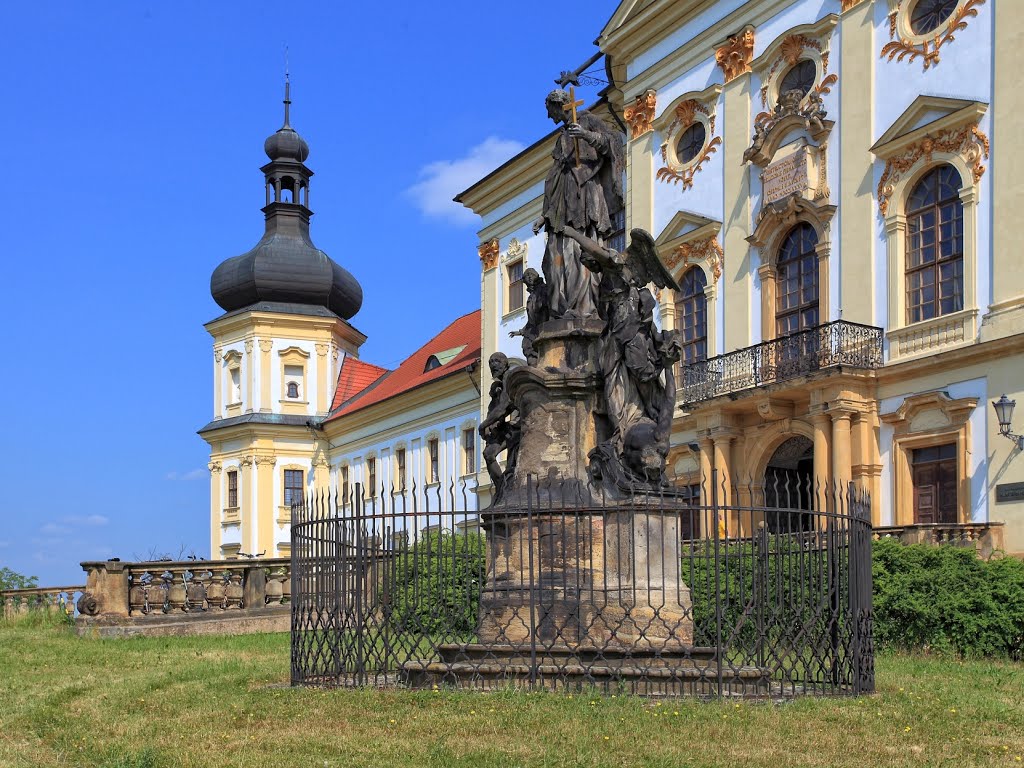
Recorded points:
(605, 578)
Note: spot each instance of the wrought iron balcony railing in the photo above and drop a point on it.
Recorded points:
(830, 345)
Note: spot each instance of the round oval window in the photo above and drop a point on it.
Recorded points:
(690, 143)
(928, 15)
(800, 77)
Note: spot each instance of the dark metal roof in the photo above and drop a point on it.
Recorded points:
(279, 419)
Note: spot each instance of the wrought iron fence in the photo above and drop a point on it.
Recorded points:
(825, 346)
(710, 594)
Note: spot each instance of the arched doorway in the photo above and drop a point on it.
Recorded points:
(789, 486)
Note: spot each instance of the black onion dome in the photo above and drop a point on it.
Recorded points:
(286, 144)
(286, 267)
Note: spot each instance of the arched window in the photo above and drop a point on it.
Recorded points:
(691, 142)
(800, 77)
(796, 307)
(692, 316)
(935, 246)
(293, 390)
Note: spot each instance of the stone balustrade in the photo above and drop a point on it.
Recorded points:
(984, 538)
(15, 602)
(242, 592)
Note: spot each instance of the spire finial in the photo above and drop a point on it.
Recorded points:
(287, 90)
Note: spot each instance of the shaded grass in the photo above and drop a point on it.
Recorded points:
(222, 701)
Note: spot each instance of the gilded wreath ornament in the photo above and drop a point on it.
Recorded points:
(969, 142)
(902, 46)
(686, 114)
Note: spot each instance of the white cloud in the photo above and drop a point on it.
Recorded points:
(441, 180)
(52, 529)
(90, 520)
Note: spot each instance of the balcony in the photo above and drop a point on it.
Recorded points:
(829, 346)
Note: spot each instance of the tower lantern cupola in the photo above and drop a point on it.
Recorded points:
(285, 267)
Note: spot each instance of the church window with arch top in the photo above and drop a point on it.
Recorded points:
(935, 246)
(691, 316)
(797, 287)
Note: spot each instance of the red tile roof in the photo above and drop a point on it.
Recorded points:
(464, 332)
(353, 378)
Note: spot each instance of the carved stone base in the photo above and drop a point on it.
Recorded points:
(606, 578)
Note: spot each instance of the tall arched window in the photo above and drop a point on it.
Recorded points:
(935, 246)
(796, 307)
(692, 316)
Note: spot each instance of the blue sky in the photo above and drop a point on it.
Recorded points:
(135, 135)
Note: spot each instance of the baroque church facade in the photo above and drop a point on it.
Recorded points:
(296, 412)
(834, 186)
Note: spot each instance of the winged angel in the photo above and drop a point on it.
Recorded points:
(636, 358)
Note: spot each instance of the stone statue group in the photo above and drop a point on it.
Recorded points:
(586, 282)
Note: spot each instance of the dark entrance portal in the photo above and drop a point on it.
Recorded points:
(789, 486)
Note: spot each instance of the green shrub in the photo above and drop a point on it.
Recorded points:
(947, 599)
(437, 584)
(11, 580)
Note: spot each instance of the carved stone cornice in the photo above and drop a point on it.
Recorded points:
(266, 345)
(248, 346)
(488, 253)
(707, 250)
(906, 44)
(792, 111)
(214, 467)
(641, 114)
(322, 349)
(734, 56)
(217, 355)
(968, 141)
(777, 218)
(265, 460)
(686, 114)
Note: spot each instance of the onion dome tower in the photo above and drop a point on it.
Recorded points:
(285, 266)
(278, 349)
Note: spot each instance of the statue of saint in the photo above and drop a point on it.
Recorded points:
(536, 314)
(583, 190)
(499, 431)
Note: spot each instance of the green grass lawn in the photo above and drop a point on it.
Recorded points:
(223, 701)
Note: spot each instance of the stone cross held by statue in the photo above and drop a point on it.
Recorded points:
(571, 109)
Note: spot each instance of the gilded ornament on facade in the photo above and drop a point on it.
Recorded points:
(516, 250)
(969, 142)
(489, 254)
(641, 114)
(734, 56)
(846, 5)
(927, 48)
(686, 114)
(708, 250)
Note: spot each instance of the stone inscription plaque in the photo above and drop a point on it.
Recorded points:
(784, 177)
(1010, 492)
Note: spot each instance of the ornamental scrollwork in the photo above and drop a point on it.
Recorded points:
(488, 253)
(708, 250)
(904, 46)
(790, 52)
(735, 55)
(640, 116)
(686, 114)
(969, 142)
(516, 249)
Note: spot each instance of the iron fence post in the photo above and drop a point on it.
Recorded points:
(533, 582)
(718, 581)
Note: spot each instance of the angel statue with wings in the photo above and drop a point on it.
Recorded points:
(636, 358)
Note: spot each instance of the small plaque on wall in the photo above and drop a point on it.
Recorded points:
(1010, 492)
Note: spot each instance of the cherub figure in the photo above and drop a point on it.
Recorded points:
(536, 314)
(498, 430)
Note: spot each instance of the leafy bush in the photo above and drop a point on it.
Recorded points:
(437, 584)
(947, 599)
(11, 580)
